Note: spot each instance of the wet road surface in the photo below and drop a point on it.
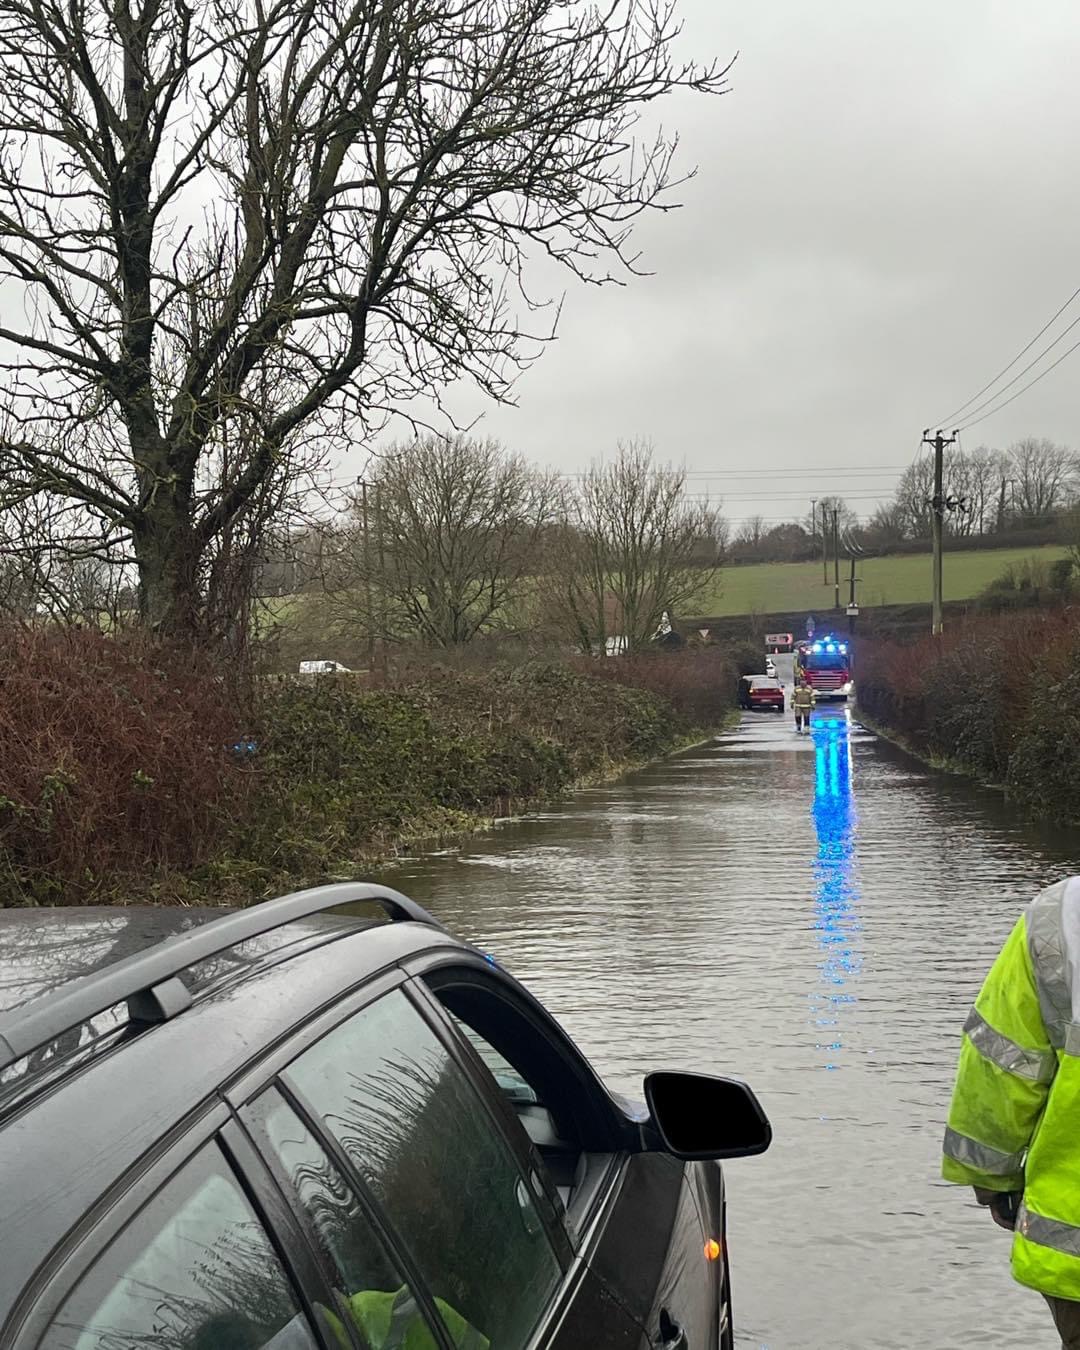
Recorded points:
(813, 914)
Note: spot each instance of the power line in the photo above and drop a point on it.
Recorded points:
(942, 421)
(1022, 390)
(799, 470)
(1030, 366)
(781, 496)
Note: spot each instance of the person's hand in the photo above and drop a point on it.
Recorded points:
(1002, 1205)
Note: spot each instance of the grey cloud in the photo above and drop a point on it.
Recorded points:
(885, 211)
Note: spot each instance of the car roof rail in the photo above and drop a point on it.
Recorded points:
(150, 981)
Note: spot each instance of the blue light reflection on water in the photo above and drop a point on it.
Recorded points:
(836, 884)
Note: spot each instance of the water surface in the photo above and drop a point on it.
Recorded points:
(814, 915)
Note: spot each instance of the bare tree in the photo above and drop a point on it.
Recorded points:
(751, 531)
(978, 481)
(308, 214)
(847, 517)
(632, 553)
(451, 530)
(1044, 477)
(56, 566)
(887, 525)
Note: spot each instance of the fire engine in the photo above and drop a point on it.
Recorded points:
(825, 664)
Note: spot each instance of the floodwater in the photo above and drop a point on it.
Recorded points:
(813, 914)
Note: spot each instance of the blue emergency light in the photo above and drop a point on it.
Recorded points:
(830, 648)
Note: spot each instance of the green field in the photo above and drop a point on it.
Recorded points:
(778, 587)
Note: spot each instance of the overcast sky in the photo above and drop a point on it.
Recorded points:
(885, 212)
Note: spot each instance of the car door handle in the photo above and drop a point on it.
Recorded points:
(672, 1336)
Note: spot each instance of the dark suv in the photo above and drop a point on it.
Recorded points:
(298, 1129)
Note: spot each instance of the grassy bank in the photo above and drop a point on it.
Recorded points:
(997, 699)
(120, 781)
(898, 580)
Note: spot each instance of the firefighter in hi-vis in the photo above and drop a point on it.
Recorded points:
(802, 703)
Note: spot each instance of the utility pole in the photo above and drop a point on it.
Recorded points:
(369, 618)
(824, 547)
(851, 598)
(1001, 505)
(381, 547)
(813, 524)
(836, 556)
(937, 516)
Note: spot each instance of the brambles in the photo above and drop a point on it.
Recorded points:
(999, 698)
(130, 772)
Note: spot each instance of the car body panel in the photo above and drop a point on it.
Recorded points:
(650, 1250)
(178, 1066)
(132, 1106)
(761, 691)
(40, 956)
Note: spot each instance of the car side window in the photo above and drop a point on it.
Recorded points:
(546, 1123)
(408, 1119)
(368, 1287)
(193, 1269)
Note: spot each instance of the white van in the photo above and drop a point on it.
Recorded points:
(323, 668)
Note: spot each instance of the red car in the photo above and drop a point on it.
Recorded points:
(761, 691)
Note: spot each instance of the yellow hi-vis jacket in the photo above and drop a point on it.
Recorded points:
(1014, 1121)
(392, 1321)
(804, 698)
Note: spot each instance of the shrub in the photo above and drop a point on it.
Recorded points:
(1061, 574)
(120, 782)
(998, 697)
(698, 682)
(114, 764)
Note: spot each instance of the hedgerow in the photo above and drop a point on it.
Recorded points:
(130, 772)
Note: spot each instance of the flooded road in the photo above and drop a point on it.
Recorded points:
(814, 915)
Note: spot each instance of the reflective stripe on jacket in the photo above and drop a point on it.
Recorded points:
(1014, 1121)
(393, 1321)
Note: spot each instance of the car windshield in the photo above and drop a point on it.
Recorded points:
(825, 661)
(763, 682)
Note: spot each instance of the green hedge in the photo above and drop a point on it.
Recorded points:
(120, 784)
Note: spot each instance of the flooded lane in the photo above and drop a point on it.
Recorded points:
(812, 914)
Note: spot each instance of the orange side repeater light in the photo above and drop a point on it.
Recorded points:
(712, 1250)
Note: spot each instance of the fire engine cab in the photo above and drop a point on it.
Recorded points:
(825, 664)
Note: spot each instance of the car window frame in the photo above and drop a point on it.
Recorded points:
(254, 1080)
(464, 1056)
(601, 1127)
(501, 1118)
(251, 1081)
(607, 1152)
(373, 1213)
(119, 1207)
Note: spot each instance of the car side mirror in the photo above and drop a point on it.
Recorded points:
(699, 1117)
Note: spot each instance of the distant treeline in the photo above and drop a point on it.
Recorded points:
(1026, 495)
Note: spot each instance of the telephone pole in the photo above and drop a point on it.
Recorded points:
(937, 516)
(380, 545)
(369, 618)
(824, 547)
(813, 525)
(836, 556)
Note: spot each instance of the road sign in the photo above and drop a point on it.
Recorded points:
(778, 640)
(704, 633)
(810, 626)
(853, 611)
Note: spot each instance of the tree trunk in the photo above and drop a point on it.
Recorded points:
(167, 552)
